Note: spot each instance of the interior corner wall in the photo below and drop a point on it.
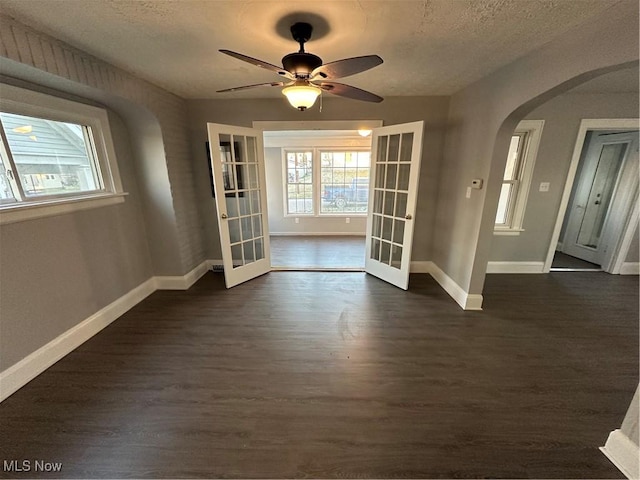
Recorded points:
(162, 148)
(562, 116)
(394, 110)
(482, 118)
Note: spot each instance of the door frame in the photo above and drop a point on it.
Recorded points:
(587, 125)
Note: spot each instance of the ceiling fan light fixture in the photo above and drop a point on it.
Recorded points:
(301, 96)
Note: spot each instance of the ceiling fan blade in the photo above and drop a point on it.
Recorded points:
(244, 87)
(347, 66)
(348, 91)
(258, 63)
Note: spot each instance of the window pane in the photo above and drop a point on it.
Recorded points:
(52, 158)
(503, 204)
(299, 182)
(512, 158)
(344, 183)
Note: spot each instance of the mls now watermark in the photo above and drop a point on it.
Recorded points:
(30, 466)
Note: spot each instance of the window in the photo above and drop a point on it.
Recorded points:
(344, 181)
(299, 182)
(517, 177)
(327, 181)
(56, 156)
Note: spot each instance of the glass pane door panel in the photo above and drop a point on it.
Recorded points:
(398, 231)
(394, 147)
(382, 149)
(251, 150)
(403, 176)
(375, 249)
(396, 256)
(247, 233)
(234, 230)
(248, 252)
(376, 230)
(380, 175)
(259, 245)
(389, 200)
(390, 181)
(257, 225)
(385, 253)
(239, 149)
(255, 201)
(387, 228)
(401, 205)
(406, 147)
(236, 255)
(231, 201)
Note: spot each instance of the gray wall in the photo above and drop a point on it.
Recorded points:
(394, 110)
(57, 271)
(562, 116)
(483, 116)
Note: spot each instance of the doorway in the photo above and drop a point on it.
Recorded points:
(595, 222)
(317, 194)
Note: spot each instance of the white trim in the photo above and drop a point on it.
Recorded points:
(623, 453)
(585, 125)
(630, 268)
(515, 267)
(19, 212)
(19, 374)
(182, 282)
(508, 231)
(317, 234)
(468, 301)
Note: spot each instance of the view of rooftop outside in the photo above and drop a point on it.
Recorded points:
(50, 157)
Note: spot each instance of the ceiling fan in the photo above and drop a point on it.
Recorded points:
(306, 73)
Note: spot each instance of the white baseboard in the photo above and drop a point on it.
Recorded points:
(317, 234)
(19, 374)
(37, 362)
(183, 282)
(515, 267)
(466, 300)
(630, 268)
(623, 453)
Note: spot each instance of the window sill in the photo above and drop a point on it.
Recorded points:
(508, 232)
(29, 211)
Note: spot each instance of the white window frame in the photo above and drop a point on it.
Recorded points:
(285, 181)
(317, 183)
(21, 101)
(532, 131)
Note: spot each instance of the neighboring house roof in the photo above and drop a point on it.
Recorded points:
(37, 141)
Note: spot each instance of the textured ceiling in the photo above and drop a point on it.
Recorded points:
(433, 47)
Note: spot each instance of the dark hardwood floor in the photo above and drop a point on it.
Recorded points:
(317, 252)
(326, 375)
(562, 260)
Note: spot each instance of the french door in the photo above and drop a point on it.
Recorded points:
(396, 155)
(237, 163)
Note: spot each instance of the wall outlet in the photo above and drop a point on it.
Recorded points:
(297, 220)
(347, 220)
(468, 192)
(544, 186)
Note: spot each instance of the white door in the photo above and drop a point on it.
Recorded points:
(237, 163)
(396, 154)
(603, 185)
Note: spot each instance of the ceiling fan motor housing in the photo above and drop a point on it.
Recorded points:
(301, 64)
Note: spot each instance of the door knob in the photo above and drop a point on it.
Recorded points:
(408, 216)
(224, 216)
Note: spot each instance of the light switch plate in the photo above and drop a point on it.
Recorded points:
(544, 186)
